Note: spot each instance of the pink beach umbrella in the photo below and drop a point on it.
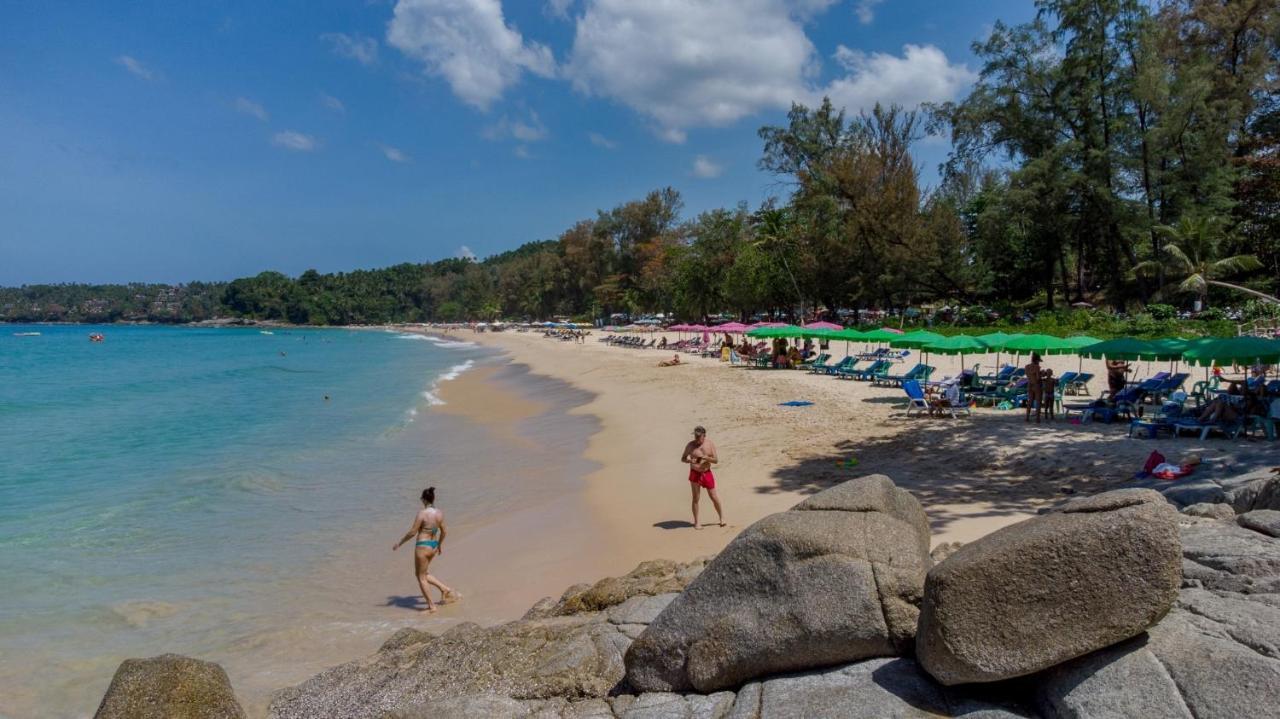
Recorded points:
(731, 328)
(823, 326)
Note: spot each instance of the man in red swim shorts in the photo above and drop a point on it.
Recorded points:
(700, 454)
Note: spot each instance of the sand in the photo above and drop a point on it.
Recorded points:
(973, 475)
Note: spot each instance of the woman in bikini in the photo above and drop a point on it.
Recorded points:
(429, 528)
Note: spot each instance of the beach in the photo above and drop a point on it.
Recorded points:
(973, 475)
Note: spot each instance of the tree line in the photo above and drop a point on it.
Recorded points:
(1111, 152)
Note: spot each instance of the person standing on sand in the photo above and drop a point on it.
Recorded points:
(428, 527)
(1116, 370)
(700, 454)
(1033, 387)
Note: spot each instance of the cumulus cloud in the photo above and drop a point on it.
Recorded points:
(866, 10)
(706, 168)
(294, 140)
(714, 62)
(332, 103)
(601, 141)
(136, 67)
(393, 154)
(469, 44)
(248, 107)
(522, 152)
(921, 74)
(360, 48)
(465, 253)
(686, 64)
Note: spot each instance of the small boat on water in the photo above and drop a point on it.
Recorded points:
(96, 337)
(26, 334)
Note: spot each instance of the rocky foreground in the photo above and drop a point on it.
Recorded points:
(1116, 605)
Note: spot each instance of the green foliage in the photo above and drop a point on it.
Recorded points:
(1162, 312)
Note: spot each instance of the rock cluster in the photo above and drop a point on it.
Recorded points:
(1108, 606)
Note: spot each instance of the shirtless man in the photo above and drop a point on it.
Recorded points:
(700, 454)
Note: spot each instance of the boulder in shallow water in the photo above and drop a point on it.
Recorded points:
(169, 687)
(835, 579)
(1029, 596)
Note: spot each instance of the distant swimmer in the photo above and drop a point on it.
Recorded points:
(700, 454)
(428, 527)
(282, 354)
(326, 398)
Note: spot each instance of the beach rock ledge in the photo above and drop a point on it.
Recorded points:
(836, 578)
(169, 687)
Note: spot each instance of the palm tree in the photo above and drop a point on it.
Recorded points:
(1190, 252)
(774, 227)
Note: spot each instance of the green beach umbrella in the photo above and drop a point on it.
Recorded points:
(1081, 341)
(915, 340)
(1120, 348)
(1043, 344)
(770, 332)
(994, 340)
(957, 345)
(1244, 350)
(883, 334)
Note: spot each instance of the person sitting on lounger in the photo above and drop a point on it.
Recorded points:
(945, 399)
(1221, 409)
(663, 344)
(675, 360)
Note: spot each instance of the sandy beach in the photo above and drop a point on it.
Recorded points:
(973, 475)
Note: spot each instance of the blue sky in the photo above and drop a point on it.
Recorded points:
(163, 141)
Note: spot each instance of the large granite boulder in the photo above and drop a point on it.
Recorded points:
(1095, 572)
(836, 578)
(169, 687)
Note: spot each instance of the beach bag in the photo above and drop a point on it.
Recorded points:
(1155, 459)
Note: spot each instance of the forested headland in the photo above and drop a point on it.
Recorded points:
(1110, 153)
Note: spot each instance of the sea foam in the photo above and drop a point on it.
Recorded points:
(453, 373)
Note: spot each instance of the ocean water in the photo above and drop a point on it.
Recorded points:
(179, 489)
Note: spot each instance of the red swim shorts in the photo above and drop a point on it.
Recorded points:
(705, 479)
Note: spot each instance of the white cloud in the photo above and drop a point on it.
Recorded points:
(866, 10)
(294, 140)
(360, 48)
(714, 62)
(687, 64)
(558, 8)
(601, 141)
(332, 103)
(706, 168)
(249, 107)
(465, 253)
(530, 129)
(394, 154)
(522, 152)
(469, 44)
(921, 74)
(136, 67)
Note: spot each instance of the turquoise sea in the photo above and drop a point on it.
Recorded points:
(171, 488)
